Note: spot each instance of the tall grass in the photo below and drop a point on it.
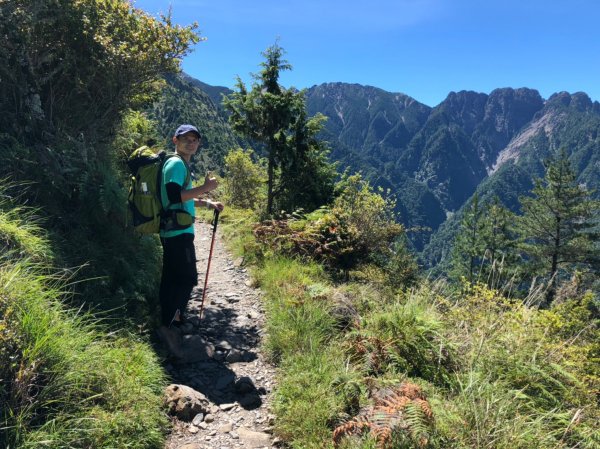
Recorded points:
(65, 381)
(498, 373)
(21, 234)
(72, 386)
(299, 337)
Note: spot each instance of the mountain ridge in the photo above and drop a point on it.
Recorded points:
(433, 159)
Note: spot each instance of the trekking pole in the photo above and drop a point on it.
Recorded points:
(212, 243)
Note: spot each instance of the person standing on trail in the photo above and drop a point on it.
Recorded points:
(179, 274)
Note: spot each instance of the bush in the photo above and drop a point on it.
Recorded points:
(357, 230)
(405, 337)
(245, 182)
(521, 362)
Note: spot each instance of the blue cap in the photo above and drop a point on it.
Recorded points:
(184, 129)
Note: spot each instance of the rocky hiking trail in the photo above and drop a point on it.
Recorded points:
(221, 385)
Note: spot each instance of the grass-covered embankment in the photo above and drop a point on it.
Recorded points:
(495, 372)
(65, 381)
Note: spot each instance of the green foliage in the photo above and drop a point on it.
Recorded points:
(298, 173)
(305, 403)
(299, 332)
(485, 247)
(298, 321)
(126, 267)
(245, 180)
(21, 233)
(515, 367)
(357, 232)
(134, 131)
(306, 176)
(468, 248)
(555, 223)
(365, 223)
(405, 337)
(496, 372)
(498, 234)
(70, 73)
(65, 383)
(73, 66)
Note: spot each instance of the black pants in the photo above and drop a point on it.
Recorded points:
(179, 275)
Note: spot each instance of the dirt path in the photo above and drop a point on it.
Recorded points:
(223, 360)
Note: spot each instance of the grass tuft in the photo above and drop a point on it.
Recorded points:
(65, 380)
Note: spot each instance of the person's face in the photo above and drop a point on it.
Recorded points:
(187, 144)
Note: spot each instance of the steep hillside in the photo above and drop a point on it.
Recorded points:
(185, 100)
(369, 129)
(570, 121)
(215, 93)
(432, 159)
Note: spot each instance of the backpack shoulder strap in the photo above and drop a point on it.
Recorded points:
(188, 170)
(188, 176)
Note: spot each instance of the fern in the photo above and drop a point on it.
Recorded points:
(402, 411)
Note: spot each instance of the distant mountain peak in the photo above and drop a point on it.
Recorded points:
(434, 159)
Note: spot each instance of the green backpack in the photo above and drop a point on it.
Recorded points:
(146, 211)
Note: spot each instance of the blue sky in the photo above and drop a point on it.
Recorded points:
(423, 48)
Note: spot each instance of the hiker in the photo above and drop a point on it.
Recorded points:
(179, 275)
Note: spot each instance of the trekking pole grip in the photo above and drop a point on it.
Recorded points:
(215, 220)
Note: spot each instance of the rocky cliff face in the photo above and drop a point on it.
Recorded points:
(366, 119)
(507, 111)
(445, 151)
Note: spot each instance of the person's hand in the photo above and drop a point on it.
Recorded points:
(210, 183)
(215, 205)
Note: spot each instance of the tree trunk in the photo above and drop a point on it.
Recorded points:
(554, 268)
(271, 169)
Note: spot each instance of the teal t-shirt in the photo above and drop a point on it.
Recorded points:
(175, 171)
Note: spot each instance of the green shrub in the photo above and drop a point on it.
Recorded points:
(405, 337)
(245, 181)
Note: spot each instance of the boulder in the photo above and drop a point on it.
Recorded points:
(185, 402)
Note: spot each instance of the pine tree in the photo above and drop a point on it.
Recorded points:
(468, 249)
(485, 249)
(500, 258)
(555, 225)
(307, 177)
(275, 118)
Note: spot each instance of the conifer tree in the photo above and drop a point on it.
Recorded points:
(485, 248)
(500, 258)
(555, 225)
(275, 118)
(307, 176)
(468, 247)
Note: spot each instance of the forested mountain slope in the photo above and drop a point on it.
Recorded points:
(185, 100)
(565, 121)
(434, 159)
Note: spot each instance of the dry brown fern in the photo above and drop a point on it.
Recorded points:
(401, 409)
(278, 235)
